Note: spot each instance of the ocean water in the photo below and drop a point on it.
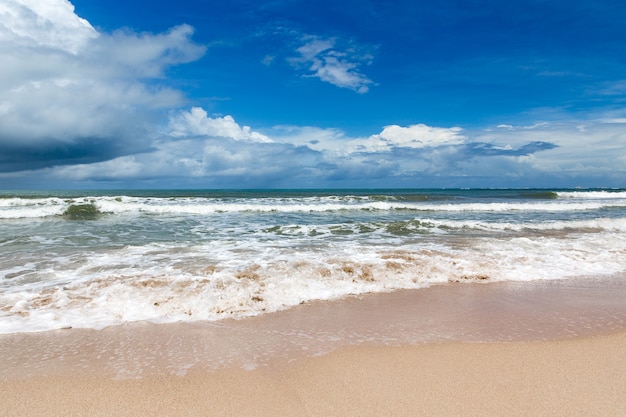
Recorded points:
(93, 259)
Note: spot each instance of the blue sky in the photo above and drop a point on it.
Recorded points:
(301, 94)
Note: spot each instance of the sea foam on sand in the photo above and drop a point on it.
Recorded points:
(543, 348)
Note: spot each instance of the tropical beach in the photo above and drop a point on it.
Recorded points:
(313, 302)
(328, 208)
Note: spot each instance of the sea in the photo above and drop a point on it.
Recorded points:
(91, 259)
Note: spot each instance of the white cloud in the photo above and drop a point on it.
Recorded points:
(44, 23)
(314, 47)
(217, 152)
(326, 140)
(583, 147)
(617, 120)
(65, 87)
(268, 60)
(335, 142)
(205, 160)
(78, 105)
(421, 135)
(339, 67)
(613, 88)
(145, 55)
(196, 122)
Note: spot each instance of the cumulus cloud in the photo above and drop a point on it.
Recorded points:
(206, 161)
(326, 140)
(218, 152)
(322, 58)
(69, 94)
(414, 136)
(579, 150)
(197, 150)
(196, 122)
(44, 23)
(335, 141)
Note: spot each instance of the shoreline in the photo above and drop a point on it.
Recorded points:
(532, 348)
(575, 377)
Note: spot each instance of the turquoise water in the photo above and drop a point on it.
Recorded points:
(91, 259)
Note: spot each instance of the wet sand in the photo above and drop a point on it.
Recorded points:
(542, 348)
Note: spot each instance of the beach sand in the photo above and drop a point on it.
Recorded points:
(504, 349)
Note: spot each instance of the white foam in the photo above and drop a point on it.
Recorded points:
(162, 283)
(202, 206)
(608, 224)
(596, 195)
(437, 226)
(511, 207)
(202, 258)
(14, 208)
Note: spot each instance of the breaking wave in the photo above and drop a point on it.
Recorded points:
(96, 260)
(90, 207)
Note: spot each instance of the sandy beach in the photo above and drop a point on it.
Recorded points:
(553, 349)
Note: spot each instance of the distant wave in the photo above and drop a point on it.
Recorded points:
(91, 207)
(596, 195)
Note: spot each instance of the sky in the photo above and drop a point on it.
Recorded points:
(116, 94)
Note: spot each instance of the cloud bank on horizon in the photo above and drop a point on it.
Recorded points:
(91, 108)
